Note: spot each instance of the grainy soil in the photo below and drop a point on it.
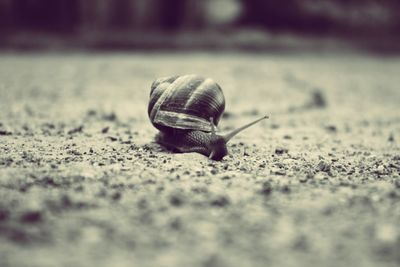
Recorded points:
(82, 182)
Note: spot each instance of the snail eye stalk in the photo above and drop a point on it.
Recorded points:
(229, 136)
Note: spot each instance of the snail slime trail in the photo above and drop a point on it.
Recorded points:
(186, 110)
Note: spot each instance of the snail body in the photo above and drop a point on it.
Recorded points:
(210, 145)
(186, 110)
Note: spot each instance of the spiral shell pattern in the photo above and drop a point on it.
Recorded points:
(185, 102)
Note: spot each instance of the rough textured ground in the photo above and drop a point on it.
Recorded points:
(83, 184)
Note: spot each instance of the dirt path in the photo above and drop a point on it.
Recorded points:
(83, 184)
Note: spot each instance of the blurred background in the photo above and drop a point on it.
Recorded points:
(158, 24)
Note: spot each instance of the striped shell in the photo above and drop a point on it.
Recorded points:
(185, 102)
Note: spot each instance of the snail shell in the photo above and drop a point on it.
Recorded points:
(185, 102)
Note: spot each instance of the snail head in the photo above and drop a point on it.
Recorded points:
(217, 144)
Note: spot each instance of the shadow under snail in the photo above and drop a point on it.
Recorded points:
(186, 110)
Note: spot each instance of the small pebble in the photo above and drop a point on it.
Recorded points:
(220, 201)
(281, 150)
(91, 112)
(105, 130)
(31, 217)
(76, 130)
(4, 132)
(278, 171)
(266, 188)
(227, 115)
(4, 215)
(110, 117)
(391, 137)
(176, 224)
(285, 189)
(112, 138)
(116, 196)
(331, 128)
(323, 166)
(252, 112)
(318, 98)
(303, 179)
(176, 200)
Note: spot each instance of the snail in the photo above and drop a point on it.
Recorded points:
(186, 110)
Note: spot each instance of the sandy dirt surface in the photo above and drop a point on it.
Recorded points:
(83, 184)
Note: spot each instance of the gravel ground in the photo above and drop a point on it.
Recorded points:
(82, 182)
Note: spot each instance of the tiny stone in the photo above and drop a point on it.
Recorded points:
(76, 130)
(301, 243)
(214, 171)
(285, 189)
(105, 130)
(220, 201)
(278, 171)
(380, 169)
(253, 112)
(303, 179)
(4, 132)
(226, 177)
(4, 215)
(391, 138)
(110, 117)
(176, 224)
(318, 98)
(281, 150)
(112, 138)
(176, 200)
(31, 217)
(266, 188)
(143, 204)
(274, 126)
(394, 194)
(116, 196)
(227, 115)
(331, 128)
(323, 166)
(91, 112)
